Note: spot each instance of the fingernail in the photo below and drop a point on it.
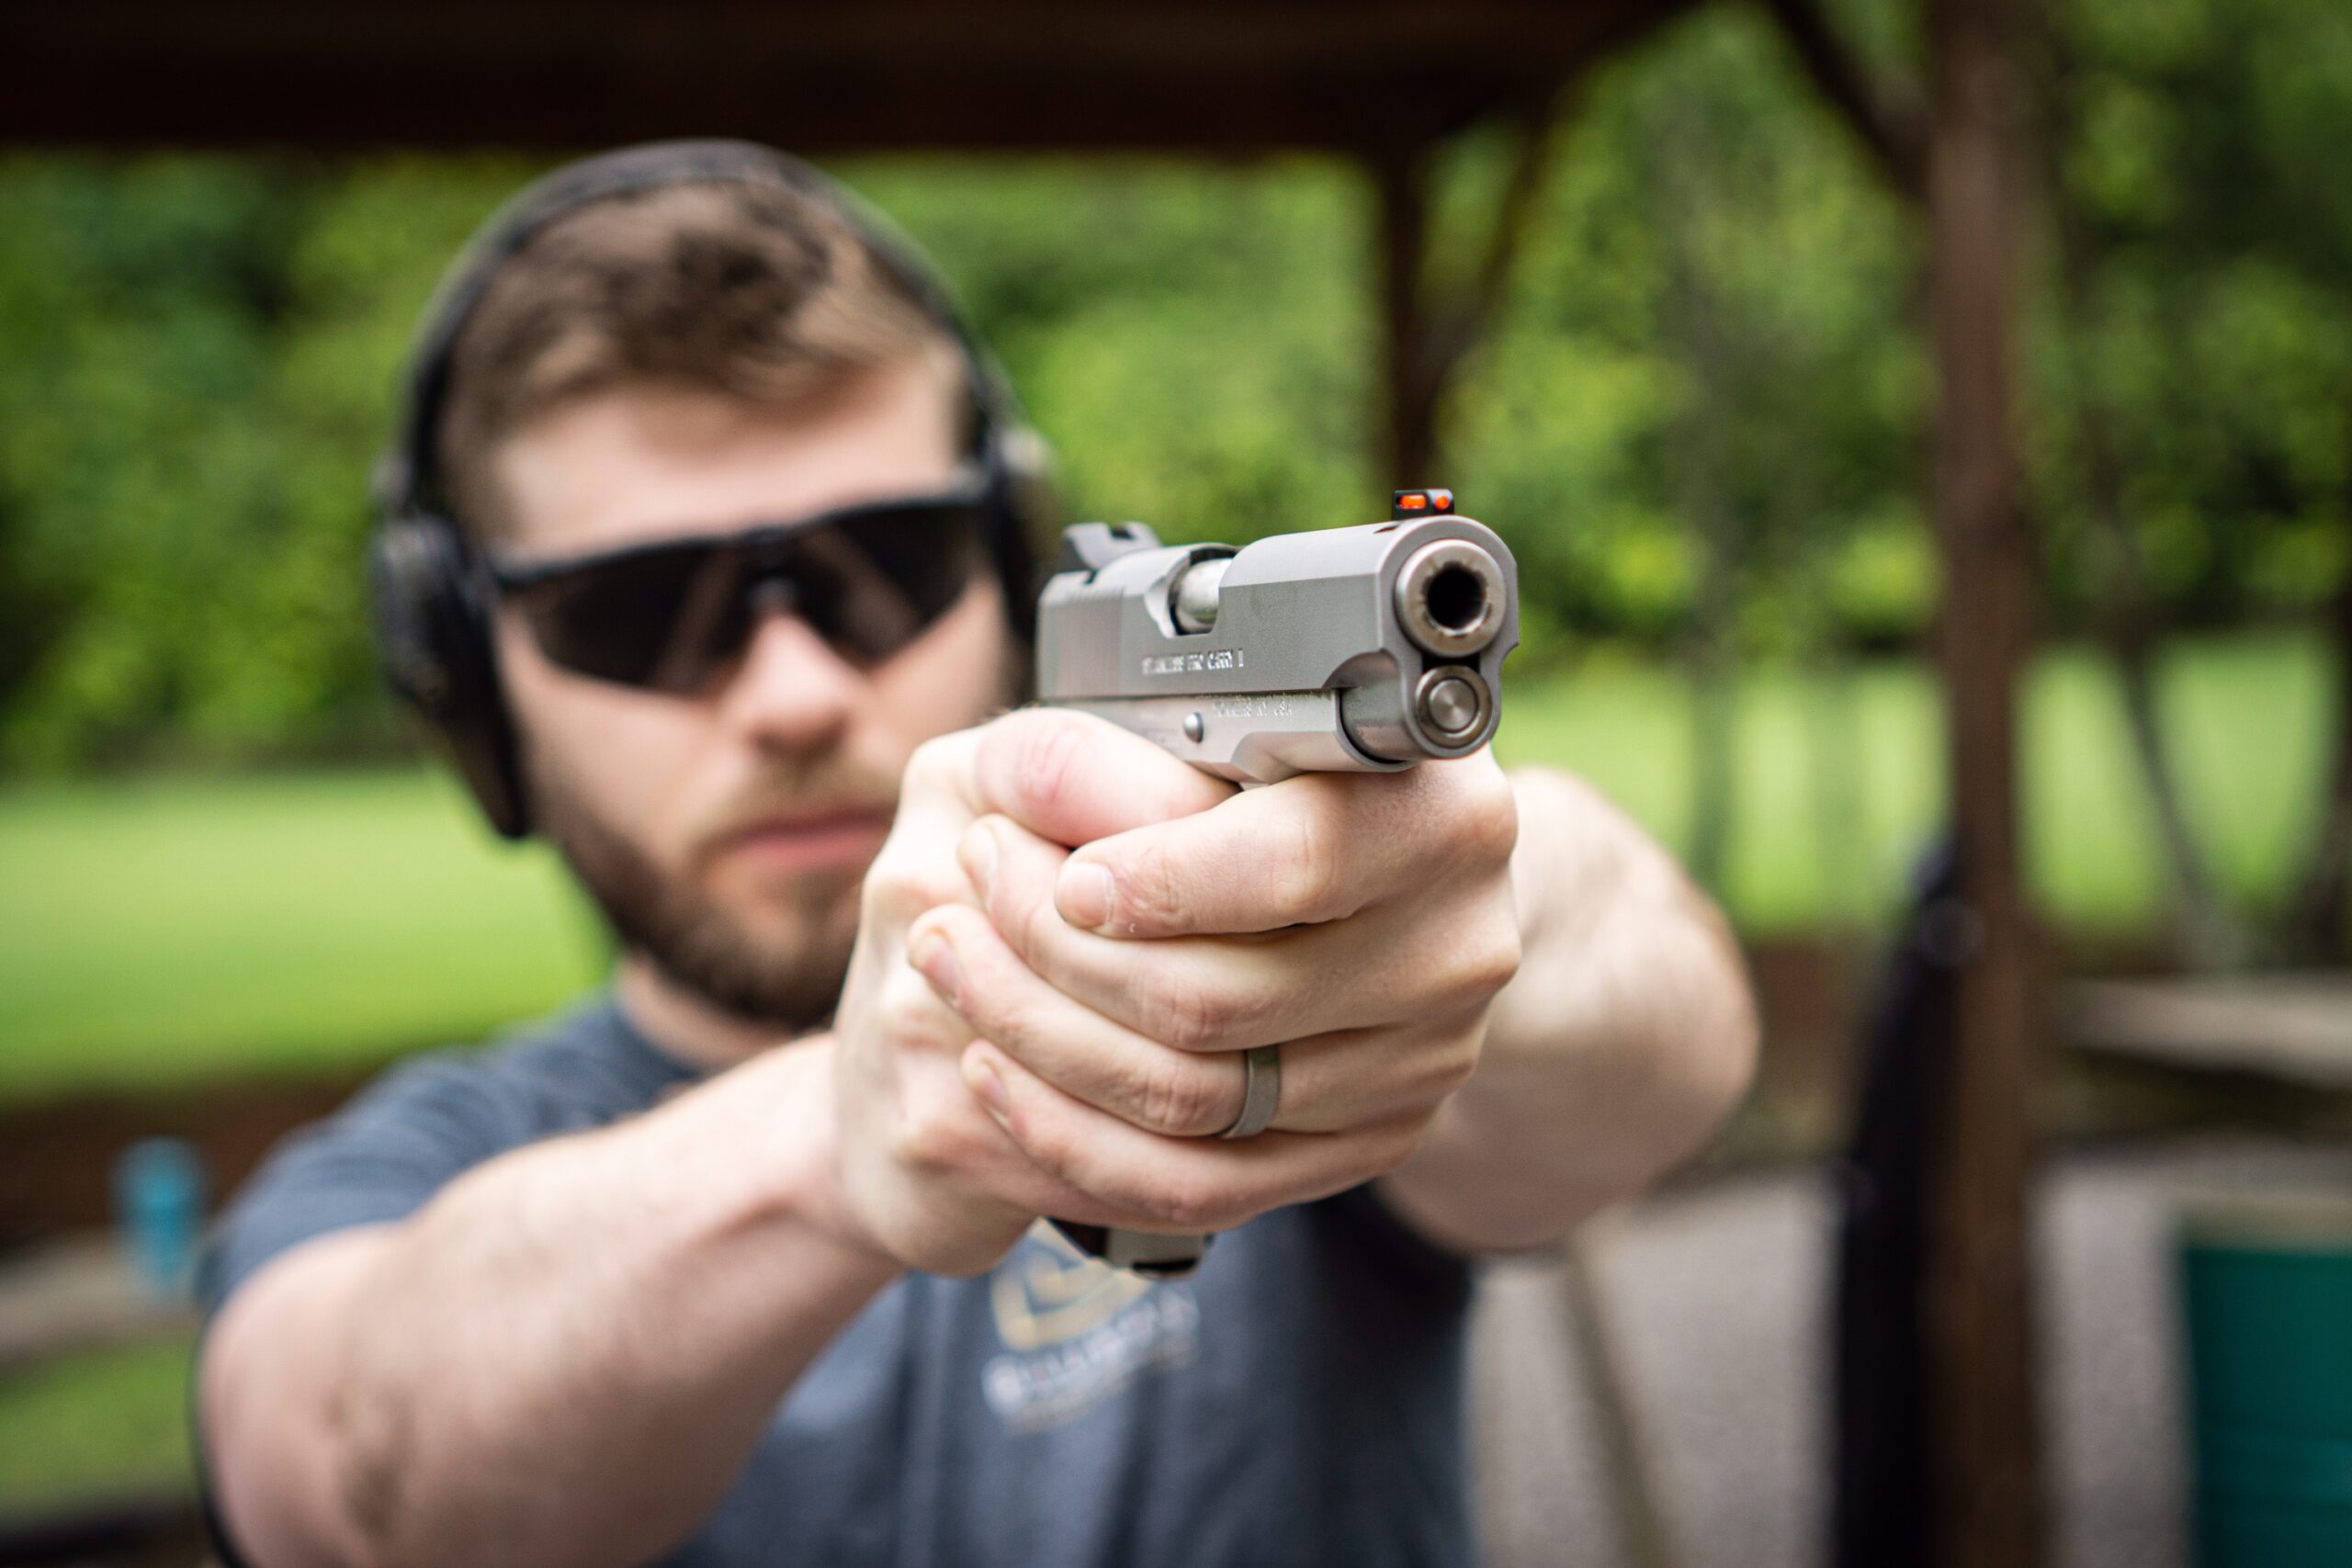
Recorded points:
(983, 1081)
(1085, 895)
(977, 853)
(935, 958)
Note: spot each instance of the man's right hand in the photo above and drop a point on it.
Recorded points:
(928, 1176)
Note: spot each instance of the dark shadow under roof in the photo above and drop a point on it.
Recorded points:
(1215, 76)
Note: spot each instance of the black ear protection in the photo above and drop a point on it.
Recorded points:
(429, 587)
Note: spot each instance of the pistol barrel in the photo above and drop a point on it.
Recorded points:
(1365, 649)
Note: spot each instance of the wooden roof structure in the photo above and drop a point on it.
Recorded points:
(1212, 77)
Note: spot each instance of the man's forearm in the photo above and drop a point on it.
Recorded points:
(564, 1359)
(1626, 1037)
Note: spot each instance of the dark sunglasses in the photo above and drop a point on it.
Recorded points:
(668, 616)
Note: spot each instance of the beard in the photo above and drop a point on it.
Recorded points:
(790, 978)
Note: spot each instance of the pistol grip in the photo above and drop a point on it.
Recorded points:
(1146, 1253)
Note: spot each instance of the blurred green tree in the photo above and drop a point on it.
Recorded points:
(2196, 361)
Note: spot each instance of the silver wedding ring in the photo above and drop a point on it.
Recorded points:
(1261, 1088)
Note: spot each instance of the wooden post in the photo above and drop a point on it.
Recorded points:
(1428, 334)
(1978, 1329)
(1977, 1336)
(1409, 443)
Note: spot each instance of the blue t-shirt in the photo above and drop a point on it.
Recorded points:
(1297, 1401)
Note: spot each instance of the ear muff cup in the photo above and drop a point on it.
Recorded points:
(433, 623)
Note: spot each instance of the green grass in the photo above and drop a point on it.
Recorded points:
(1840, 784)
(153, 933)
(102, 1424)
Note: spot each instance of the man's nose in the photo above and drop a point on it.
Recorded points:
(791, 692)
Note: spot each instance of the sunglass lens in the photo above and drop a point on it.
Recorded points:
(872, 585)
(650, 619)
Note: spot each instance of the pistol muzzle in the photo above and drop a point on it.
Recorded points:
(1450, 597)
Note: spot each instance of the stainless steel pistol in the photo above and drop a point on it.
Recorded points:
(1361, 650)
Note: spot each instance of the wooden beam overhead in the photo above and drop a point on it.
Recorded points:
(1215, 76)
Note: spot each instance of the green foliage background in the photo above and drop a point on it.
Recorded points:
(1714, 317)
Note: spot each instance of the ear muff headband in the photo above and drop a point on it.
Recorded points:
(430, 590)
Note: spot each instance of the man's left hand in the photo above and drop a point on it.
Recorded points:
(1363, 923)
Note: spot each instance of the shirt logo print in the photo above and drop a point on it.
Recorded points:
(1075, 1331)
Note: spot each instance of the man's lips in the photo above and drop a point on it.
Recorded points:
(831, 839)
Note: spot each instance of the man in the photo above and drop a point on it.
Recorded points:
(739, 1263)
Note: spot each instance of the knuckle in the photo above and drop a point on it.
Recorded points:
(936, 764)
(1010, 1023)
(1443, 1066)
(913, 1019)
(1191, 1203)
(1047, 1142)
(1456, 1066)
(1034, 934)
(928, 1135)
(1498, 813)
(882, 896)
(1504, 950)
(1148, 895)
(1306, 872)
(1183, 1015)
(1498, 967)
(1486, 815)
(1048, 762)
(1384, 1147)
(900, 886)
(1176, 1096)
(1486, 963)
(1395, 1147)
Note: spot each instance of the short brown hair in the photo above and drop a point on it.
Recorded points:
(749, 291)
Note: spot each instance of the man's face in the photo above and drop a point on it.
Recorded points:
(725, 832)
